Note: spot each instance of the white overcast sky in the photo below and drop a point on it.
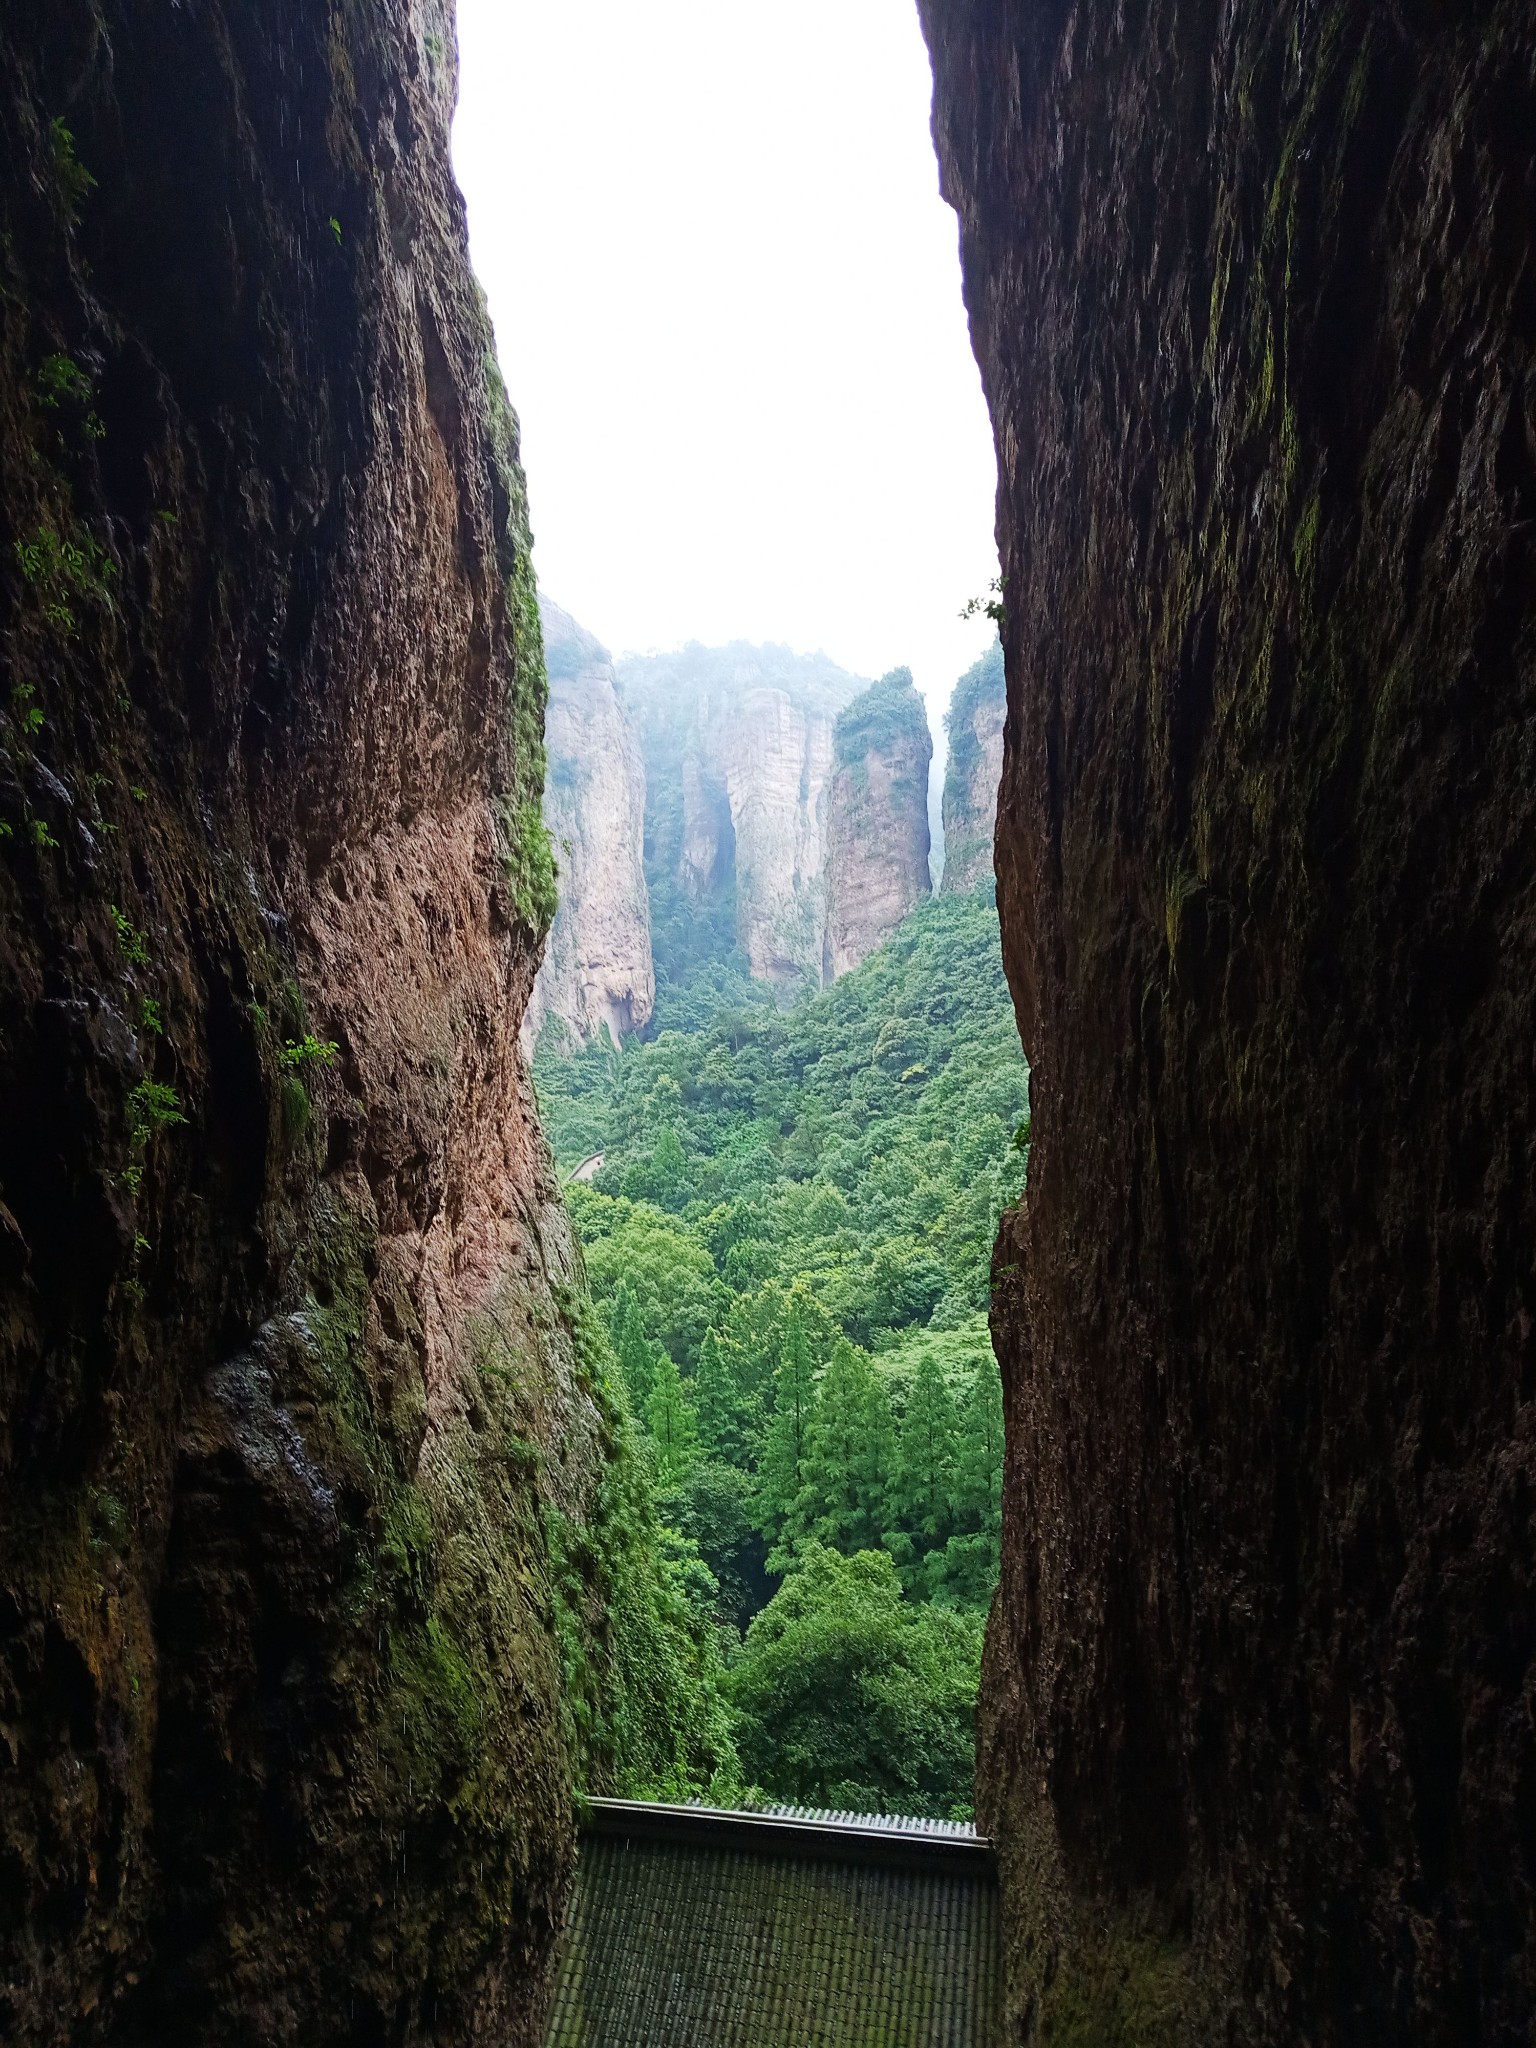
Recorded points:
(727, 300)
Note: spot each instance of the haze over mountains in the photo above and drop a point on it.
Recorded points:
(741, 812)
(597, 966)
(974, 723)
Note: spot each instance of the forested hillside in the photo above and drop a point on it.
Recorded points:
(789, 1237)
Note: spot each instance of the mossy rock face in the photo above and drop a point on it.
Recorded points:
(1249, 290)
(358, 1608)
(287, 1392)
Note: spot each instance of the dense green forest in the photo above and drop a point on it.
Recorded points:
(788, 1245)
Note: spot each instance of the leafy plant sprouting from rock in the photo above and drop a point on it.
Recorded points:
(72, 180)
(989, 607)
(64, 567)
(308, 1051)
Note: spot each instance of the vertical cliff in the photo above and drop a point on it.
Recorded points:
(769, 757)
(287, 1390)
(738, 746)
(1252, 293)
(597, 965)
(877, 820)
(974, 725)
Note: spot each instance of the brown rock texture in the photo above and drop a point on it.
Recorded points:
(597, 968)
(287, 1381)
(877, 820)
(974, 725)
(1253, 290)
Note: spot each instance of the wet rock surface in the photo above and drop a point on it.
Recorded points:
(286, 1377)
(1252, 293)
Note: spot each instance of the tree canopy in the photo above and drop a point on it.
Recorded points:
(847, 1695)
(790, 1240)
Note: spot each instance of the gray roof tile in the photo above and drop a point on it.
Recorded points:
(672, 1939)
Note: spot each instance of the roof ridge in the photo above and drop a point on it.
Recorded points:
(823, 1834)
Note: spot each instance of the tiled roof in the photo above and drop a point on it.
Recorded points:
(695, 1929)
(888, 1823)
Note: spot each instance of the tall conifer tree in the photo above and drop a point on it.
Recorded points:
(966, 1573)
(721, 1406)
(922, 1487)
(633, 1349)
(674, 1430)
(979, 1459)
(781, 1471)
(847, 1465)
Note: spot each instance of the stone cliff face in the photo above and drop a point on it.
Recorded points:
(877, 820)
(1251, 289)
(974, 723)
(738, 744)
(286, 1385)
(597, 965)
(760, 775)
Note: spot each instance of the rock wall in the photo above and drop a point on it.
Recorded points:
(1252, 293)
(877, 820)
(597, 967)
(770, 758)
(738, 744)
(286, 1380)
(974, 723)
